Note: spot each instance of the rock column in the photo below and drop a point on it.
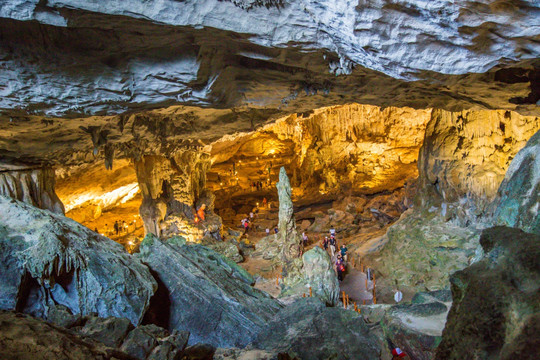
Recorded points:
(290, 248)
(173, 187)
(33, 186)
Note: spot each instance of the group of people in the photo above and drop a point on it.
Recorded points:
(339, 253)
(256, 186)
(120, 226)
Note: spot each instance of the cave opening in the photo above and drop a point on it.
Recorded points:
(106, 201)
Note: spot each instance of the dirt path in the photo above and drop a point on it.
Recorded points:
(354, 285)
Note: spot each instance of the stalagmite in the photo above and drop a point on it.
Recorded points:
(289, 240)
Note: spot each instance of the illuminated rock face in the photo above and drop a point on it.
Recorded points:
(171, 186)
(357, 148)
(465, 156)
(32, 186)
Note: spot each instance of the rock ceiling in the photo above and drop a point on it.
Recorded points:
(74, 74)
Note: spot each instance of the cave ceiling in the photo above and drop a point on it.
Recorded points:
(86, 78)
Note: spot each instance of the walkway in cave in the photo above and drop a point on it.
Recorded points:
(354, 285)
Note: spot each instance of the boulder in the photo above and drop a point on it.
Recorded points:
(495, 310)
(319, 274)
(209, 295)
(48, 259)
(308, 329)
(518, 196)
(415, 328)
(110, 331)
(142, 340)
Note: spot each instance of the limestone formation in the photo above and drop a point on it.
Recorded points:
(518, 200)
(48, 259)
(289, 241)
(465, 156)
(321, 333)
(205, 294)
(23, 337)
(34, 186)
(171, 187)
(495, 307)
(319, 275)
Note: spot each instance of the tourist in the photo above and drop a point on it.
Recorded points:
(340, 267)
(344, 252)
(304, 239)
(246, 226)
(332, 243)
(116, 227)
(276, 230)
(251, 215)
(124, 226)
(200, 212)
(267, 232)
(265, 202)
(332, 231)
(325, 243)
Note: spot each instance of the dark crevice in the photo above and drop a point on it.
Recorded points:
(159, 311)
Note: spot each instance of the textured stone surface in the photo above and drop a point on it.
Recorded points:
(495, 310)
(25, 338)
(308, 329)
(216, 52)
(420, 251)
(110, 331)
(518, 201)
(319, 274)
(465, 156)
(32, 186)
(208, 295)
(50, 259)
(289, 241)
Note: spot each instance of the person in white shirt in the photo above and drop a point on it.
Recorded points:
(398, 296)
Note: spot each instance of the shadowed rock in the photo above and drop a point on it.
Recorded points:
(48, 259)
(495, 310)
(210, 296)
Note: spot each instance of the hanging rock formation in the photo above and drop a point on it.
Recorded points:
(32, 186)
(495, 310)
(48, 259)
(289, 241)
(518, 200)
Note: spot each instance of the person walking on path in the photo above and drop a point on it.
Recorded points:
(116, 227)
(267, 232)
(325, 243)
(304, 239)
(332, 231)
(340, 267)
(398, 296)
(332, 245)
(344, 252)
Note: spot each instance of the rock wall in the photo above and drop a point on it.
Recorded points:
(32, 186)
(518, 198)
(495, 310)
(172, 185)
(465, 156)
(358, 148)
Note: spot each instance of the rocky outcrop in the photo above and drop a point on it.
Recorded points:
(34, 186)
(24, 337)
(464, 159)
(319, 275)
(289, 241)
(518, 200)
(308, 329)
(416, 328)
(419, 252)
(495, 310)
(205, 294)
(48, 259)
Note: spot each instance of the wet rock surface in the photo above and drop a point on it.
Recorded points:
(209, 296)
(49, 259)
(495, 301)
